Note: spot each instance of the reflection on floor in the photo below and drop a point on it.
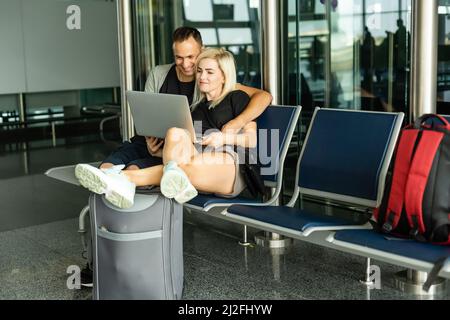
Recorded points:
(39, 241)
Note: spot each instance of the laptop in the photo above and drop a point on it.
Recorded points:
(155, 113)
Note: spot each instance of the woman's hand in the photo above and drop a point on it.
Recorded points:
(154, 145)
(215, 139)
(233, 126)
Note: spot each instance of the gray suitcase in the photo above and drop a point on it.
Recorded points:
(137, 252)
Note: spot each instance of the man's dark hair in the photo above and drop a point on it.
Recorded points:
(184, 33)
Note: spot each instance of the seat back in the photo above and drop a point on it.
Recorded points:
(276, 126)
(346, 155)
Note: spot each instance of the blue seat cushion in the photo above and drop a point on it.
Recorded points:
(404, 247)
(203, 200)
(286, 217)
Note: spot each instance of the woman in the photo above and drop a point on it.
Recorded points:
(211, 166)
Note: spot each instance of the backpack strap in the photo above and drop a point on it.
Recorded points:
(440, 264)
(421, 122)
(418, 177)
(400, 177)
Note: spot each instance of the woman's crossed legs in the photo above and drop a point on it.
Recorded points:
(209, 171)
(185, 171)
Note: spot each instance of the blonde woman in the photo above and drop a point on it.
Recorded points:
(211, 166)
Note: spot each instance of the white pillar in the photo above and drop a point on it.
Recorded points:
(424, 46)
(126, 63)
(271, 48)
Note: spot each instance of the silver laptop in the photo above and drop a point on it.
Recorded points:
(155, 113)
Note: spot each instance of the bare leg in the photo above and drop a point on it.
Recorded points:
(106, 165)
(110, 165)
(178, 147)
(209, 172)
(212, 172)
(133, 167)
(145, 177)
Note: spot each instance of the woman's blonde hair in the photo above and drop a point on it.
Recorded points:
(225, 60)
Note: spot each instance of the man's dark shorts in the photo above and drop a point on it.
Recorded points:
(134, 153)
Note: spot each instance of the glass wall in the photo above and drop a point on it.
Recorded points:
(443, 85)
(232, 24)
(351, 54)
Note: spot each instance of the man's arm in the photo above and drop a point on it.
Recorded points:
(259, 101)
(150, 84)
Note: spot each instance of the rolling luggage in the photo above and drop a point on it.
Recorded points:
(137, 252)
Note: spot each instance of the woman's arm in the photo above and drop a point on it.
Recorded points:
(247, 138)
(259, 101)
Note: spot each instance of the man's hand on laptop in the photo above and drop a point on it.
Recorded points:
(154, 146)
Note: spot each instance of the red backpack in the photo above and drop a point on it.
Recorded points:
(417, 200)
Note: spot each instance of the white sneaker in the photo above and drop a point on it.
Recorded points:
(117, 188)
(114, 169)
(175, 184)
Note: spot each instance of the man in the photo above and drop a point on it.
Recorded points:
(179, 78)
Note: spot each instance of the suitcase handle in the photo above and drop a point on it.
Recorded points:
(104, 233)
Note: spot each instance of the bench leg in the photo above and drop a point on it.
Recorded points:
(244, 242)
(372, 277)
(411, 282)
(273, 240)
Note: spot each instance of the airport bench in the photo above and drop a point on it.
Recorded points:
(404, 252)
(345, 158)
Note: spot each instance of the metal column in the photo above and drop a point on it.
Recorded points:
(423, 94)
(271, 77)
(126, 63)
(424, 58)
(271, 48)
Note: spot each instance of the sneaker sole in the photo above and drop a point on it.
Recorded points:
(171, 183)
(187, 195)
(91, 180)
(118, 200)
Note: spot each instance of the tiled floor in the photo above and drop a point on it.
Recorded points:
(39, 241)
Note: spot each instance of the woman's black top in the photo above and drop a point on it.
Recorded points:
(228, 109)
